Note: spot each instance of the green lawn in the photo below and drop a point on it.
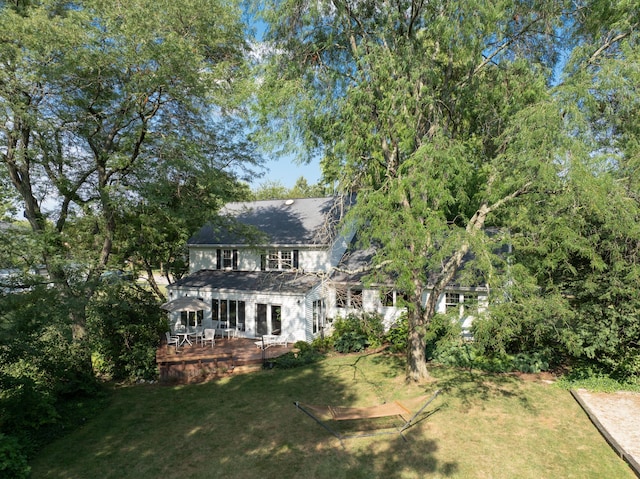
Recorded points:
(482, 426)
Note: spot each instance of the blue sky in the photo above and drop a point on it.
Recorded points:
(287, 172)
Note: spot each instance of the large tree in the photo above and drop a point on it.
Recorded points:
(103, 100)
(422, 107)
(576, 248)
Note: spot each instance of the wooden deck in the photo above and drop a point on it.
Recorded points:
(199, 363)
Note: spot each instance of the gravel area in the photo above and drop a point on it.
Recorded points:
(617, 416)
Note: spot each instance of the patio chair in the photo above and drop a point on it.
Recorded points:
(196, 334)
(172, 340)
(209, 335)
(220, 326)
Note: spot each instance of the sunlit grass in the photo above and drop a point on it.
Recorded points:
(247, 426)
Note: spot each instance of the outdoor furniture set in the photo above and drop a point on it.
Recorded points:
(182, 335)
(269, 340)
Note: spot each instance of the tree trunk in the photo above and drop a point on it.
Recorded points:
(416, 346)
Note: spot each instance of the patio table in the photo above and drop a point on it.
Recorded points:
(185, 337)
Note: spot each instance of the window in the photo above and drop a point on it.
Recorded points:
(342, 297)
(227, 259)
(276, 319)
(355, 298)
(452, 301)
(348, 298)
(273, 259)
(285, 260)
(279, 259)
(229, 311)
(318, 315)
(191, 319)
(268, 324)
(470, 303)
(215, 308)
(387, 298)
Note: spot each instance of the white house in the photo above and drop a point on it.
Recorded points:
(274, 270)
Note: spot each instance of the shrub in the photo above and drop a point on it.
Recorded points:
(125, 325)
(356, 333)
(323, 343)
(41, 367)
(398, 335)
(442, 334)
(306, 354)
(13, 462)
(468, 355)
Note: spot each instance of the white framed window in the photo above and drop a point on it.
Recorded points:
(318, 315)
(230, 312)
(349, 298)
(452, 301)
(279, 260)
(464, 303)
(396, 299)
(273, 260)
(286, 259)
(227, 259)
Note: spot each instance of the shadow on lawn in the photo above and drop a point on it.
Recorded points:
(248, 426)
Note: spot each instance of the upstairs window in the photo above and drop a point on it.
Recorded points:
(285, 260)
(227, 259)
(279, 260)
(273, 260)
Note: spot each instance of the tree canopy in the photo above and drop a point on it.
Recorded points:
(447, 118)
(111, 111)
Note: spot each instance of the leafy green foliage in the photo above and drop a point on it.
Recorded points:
(357, 332)
(41, 367)
(13, 463)
(397, 335)
(303, 354)
(125, 326)
(591, 376)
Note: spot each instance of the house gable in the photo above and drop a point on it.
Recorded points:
(300, 234)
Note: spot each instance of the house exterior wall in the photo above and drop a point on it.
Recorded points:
(201, 257)
(249, 259)
(318, 293)
(299, 311)
(292, 310)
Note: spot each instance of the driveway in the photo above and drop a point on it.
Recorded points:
(617, 416)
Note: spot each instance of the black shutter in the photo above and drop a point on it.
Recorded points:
(263, 262)
(235, 259)
(295, 258)
(218, 259)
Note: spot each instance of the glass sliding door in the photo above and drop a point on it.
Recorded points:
(223, 313)
(261, 319)
(233, 314)
(276, 319)
(268, 319)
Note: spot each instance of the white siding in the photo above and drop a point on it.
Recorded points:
(204, 257)
(292, 309)
(201, 258)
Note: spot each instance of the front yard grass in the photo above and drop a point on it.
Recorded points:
(481, 426)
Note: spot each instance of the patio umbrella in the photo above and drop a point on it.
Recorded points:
(185, 303)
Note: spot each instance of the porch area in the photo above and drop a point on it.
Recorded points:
(200, 363)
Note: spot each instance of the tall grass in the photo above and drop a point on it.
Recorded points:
(247, 426)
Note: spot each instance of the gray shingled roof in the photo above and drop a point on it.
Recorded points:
(261, 281)
(284, 222)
